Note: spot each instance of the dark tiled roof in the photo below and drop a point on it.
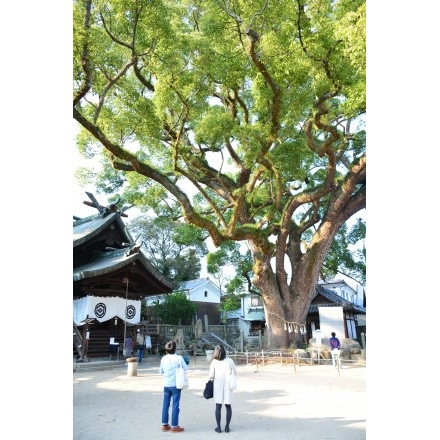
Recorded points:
(335, 300)
(116, 260)
(87, 228)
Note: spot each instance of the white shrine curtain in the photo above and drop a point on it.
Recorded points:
(104, 308)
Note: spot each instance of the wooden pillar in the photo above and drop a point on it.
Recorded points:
(85, 346)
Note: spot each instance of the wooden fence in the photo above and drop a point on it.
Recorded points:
(189, 330)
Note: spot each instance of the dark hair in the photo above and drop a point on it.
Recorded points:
(219, 352)
(170, 347)
(333, 334)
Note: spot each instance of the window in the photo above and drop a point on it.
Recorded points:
(256, 301)
(206, 294)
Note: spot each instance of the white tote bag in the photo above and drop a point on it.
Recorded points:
(232, 381)
(182, 381)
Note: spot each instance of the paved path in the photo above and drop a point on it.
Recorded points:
(271, 402)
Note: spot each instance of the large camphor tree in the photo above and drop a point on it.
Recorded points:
(244, 118)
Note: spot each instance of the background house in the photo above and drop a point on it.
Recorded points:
(331, 298)
(345, 291)
(203, 292)
(249, 319)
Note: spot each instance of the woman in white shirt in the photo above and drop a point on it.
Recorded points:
(220, 370)
(168, 365)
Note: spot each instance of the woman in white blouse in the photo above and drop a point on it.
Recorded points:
(220, 370)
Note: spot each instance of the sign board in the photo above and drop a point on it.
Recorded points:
(331, 319)
(147, 341)
(317, 335)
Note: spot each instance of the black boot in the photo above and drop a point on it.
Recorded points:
(228, 417)
(218, 416)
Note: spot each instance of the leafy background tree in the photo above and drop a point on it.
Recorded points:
(243, 118)
(348, 254)
(238, 282)
(229, 303)
(173, 247)
(175, 309)
(230, 254)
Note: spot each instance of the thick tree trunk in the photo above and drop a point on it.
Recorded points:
(285, 320)
(285, 306)
(287, 302)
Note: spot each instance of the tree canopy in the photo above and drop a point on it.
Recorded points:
(243, 118)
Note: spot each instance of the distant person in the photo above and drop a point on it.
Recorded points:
(168, 365)
(334, 349)
(220, 368)
(140, 343)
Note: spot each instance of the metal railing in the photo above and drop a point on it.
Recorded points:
(218, 340)
(282, 357)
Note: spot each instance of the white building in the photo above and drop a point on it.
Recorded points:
(342, 289)
(200, 290)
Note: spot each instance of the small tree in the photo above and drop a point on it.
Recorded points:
(176, 309)
(229, 303)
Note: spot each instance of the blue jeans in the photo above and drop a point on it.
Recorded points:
(140, 354)
(168, 393)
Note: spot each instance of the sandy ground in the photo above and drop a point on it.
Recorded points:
(271, 402)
